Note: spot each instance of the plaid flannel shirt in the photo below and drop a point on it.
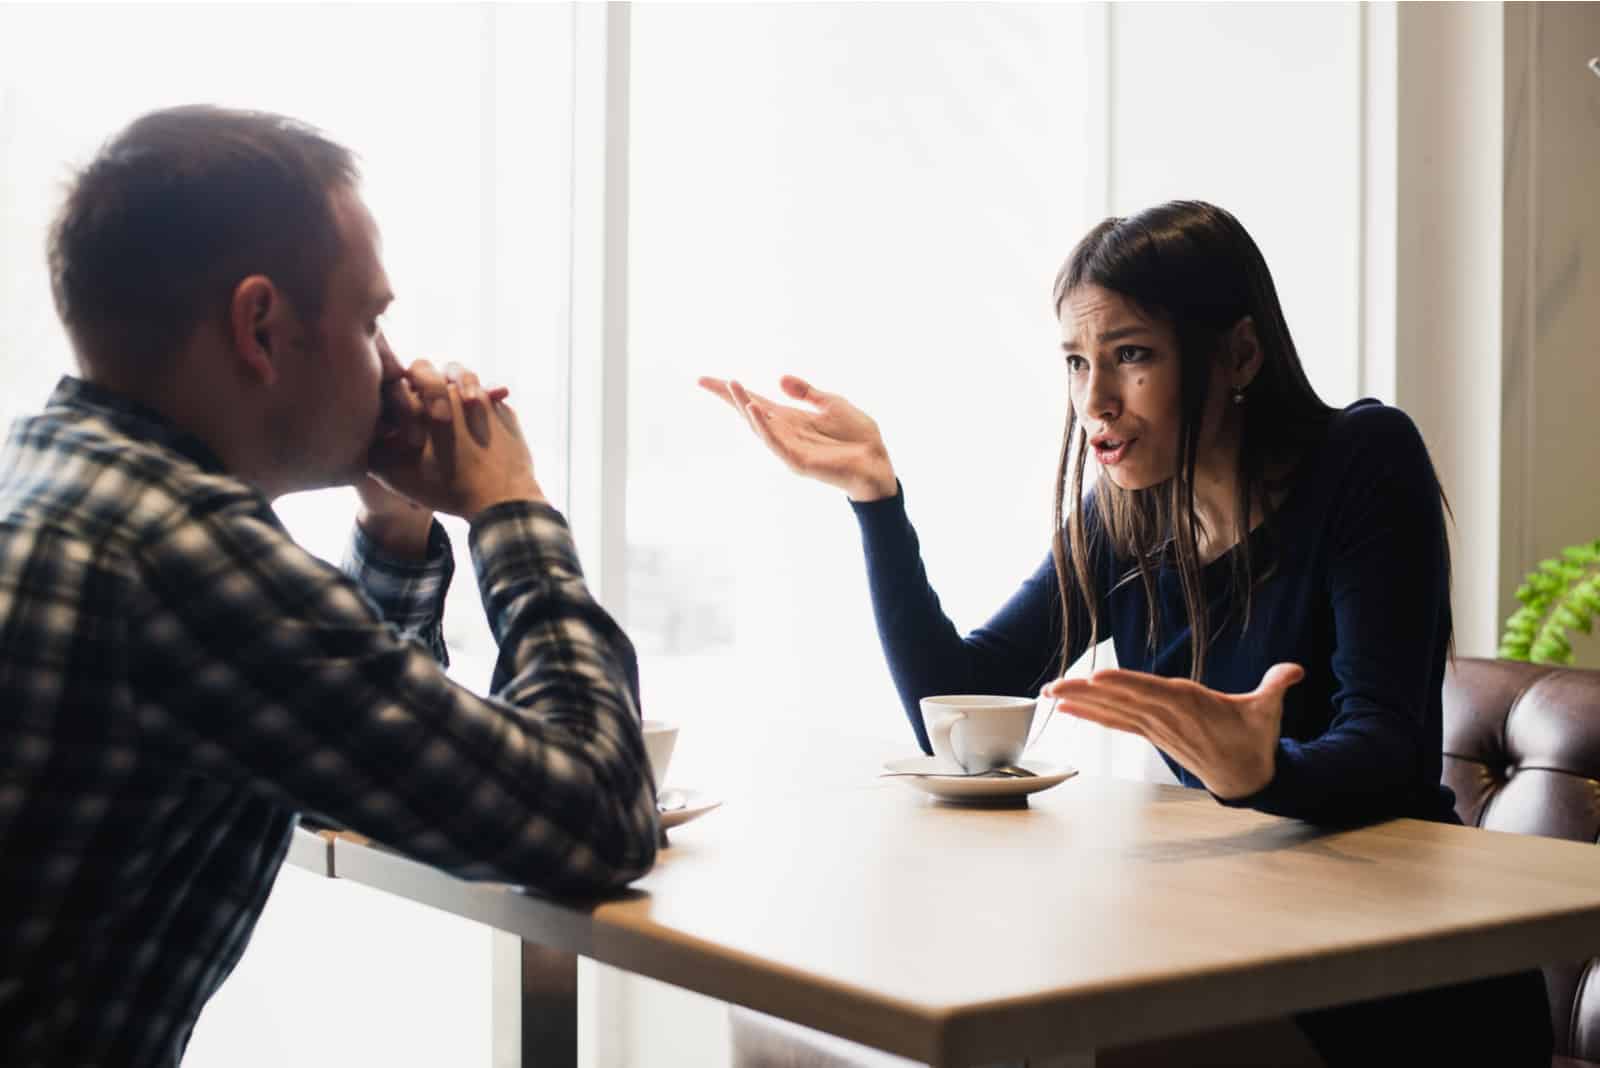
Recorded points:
(178, 680)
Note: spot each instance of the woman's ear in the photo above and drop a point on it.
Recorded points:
(1244, 352)
(259, 321)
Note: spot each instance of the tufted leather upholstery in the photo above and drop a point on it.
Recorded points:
(1522, 753)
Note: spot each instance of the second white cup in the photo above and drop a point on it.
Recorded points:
(660, 738)
(975, 732)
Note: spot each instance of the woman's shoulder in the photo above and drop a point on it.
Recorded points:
(1370, 432)
(1374, 460)
(1367, 448)
(1369, 416)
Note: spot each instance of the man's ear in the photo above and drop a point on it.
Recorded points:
(1244, 352)
(260, 323)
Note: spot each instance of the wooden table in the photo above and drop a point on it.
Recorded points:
(1104, 913)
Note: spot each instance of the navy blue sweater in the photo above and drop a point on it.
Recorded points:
(1359, 598)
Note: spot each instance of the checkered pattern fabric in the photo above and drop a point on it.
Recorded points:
(179, 680)
(408, 593)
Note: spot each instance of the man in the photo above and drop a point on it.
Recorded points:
(179, 680)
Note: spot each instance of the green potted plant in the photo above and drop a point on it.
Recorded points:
(1559, 596)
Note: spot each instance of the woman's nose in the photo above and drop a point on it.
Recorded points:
(1101, 399)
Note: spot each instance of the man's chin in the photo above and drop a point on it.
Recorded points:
(348, 473)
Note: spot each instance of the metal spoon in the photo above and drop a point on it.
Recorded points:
(1004, 771)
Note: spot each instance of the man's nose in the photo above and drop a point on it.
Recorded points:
(388, 361)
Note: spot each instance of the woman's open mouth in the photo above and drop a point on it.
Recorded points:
(1110, 451)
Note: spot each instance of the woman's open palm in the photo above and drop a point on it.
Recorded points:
(836, 443)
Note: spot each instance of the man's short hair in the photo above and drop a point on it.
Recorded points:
(177, 209)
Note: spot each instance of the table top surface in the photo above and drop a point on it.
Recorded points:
(1104, 912)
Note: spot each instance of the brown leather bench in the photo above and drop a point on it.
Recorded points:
(1521, 751)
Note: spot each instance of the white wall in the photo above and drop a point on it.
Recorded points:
(1490, 338)
(1447, 291)
(1550, 380)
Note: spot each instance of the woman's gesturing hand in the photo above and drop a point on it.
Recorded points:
(837, 444)
(1229, 741)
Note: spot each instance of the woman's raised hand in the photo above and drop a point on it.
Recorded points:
(833, 441)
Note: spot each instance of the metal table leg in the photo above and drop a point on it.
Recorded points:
(535, 1005)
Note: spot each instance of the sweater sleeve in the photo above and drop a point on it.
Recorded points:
(1015, 652)
(1388, 585)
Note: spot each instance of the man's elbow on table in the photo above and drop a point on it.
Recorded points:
(616, 846)
(624, 830)
(636, 827)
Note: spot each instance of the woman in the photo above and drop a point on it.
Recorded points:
(1273, 572)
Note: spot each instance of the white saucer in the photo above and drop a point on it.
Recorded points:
(978, 789)
(695, 805)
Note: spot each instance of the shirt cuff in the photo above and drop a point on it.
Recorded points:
(409, 593)
(884, 522)
(895, 502)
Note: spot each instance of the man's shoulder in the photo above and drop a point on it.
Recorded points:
(81, 474)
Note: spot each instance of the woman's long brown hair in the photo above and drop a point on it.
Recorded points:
(1192, 265)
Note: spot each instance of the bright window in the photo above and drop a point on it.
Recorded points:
(876, 198)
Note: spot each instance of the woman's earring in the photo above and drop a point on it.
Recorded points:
(1238, 394)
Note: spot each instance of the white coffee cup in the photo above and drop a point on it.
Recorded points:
(660, 738)
(975, 732)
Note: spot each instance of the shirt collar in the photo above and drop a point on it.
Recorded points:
(134, 420)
